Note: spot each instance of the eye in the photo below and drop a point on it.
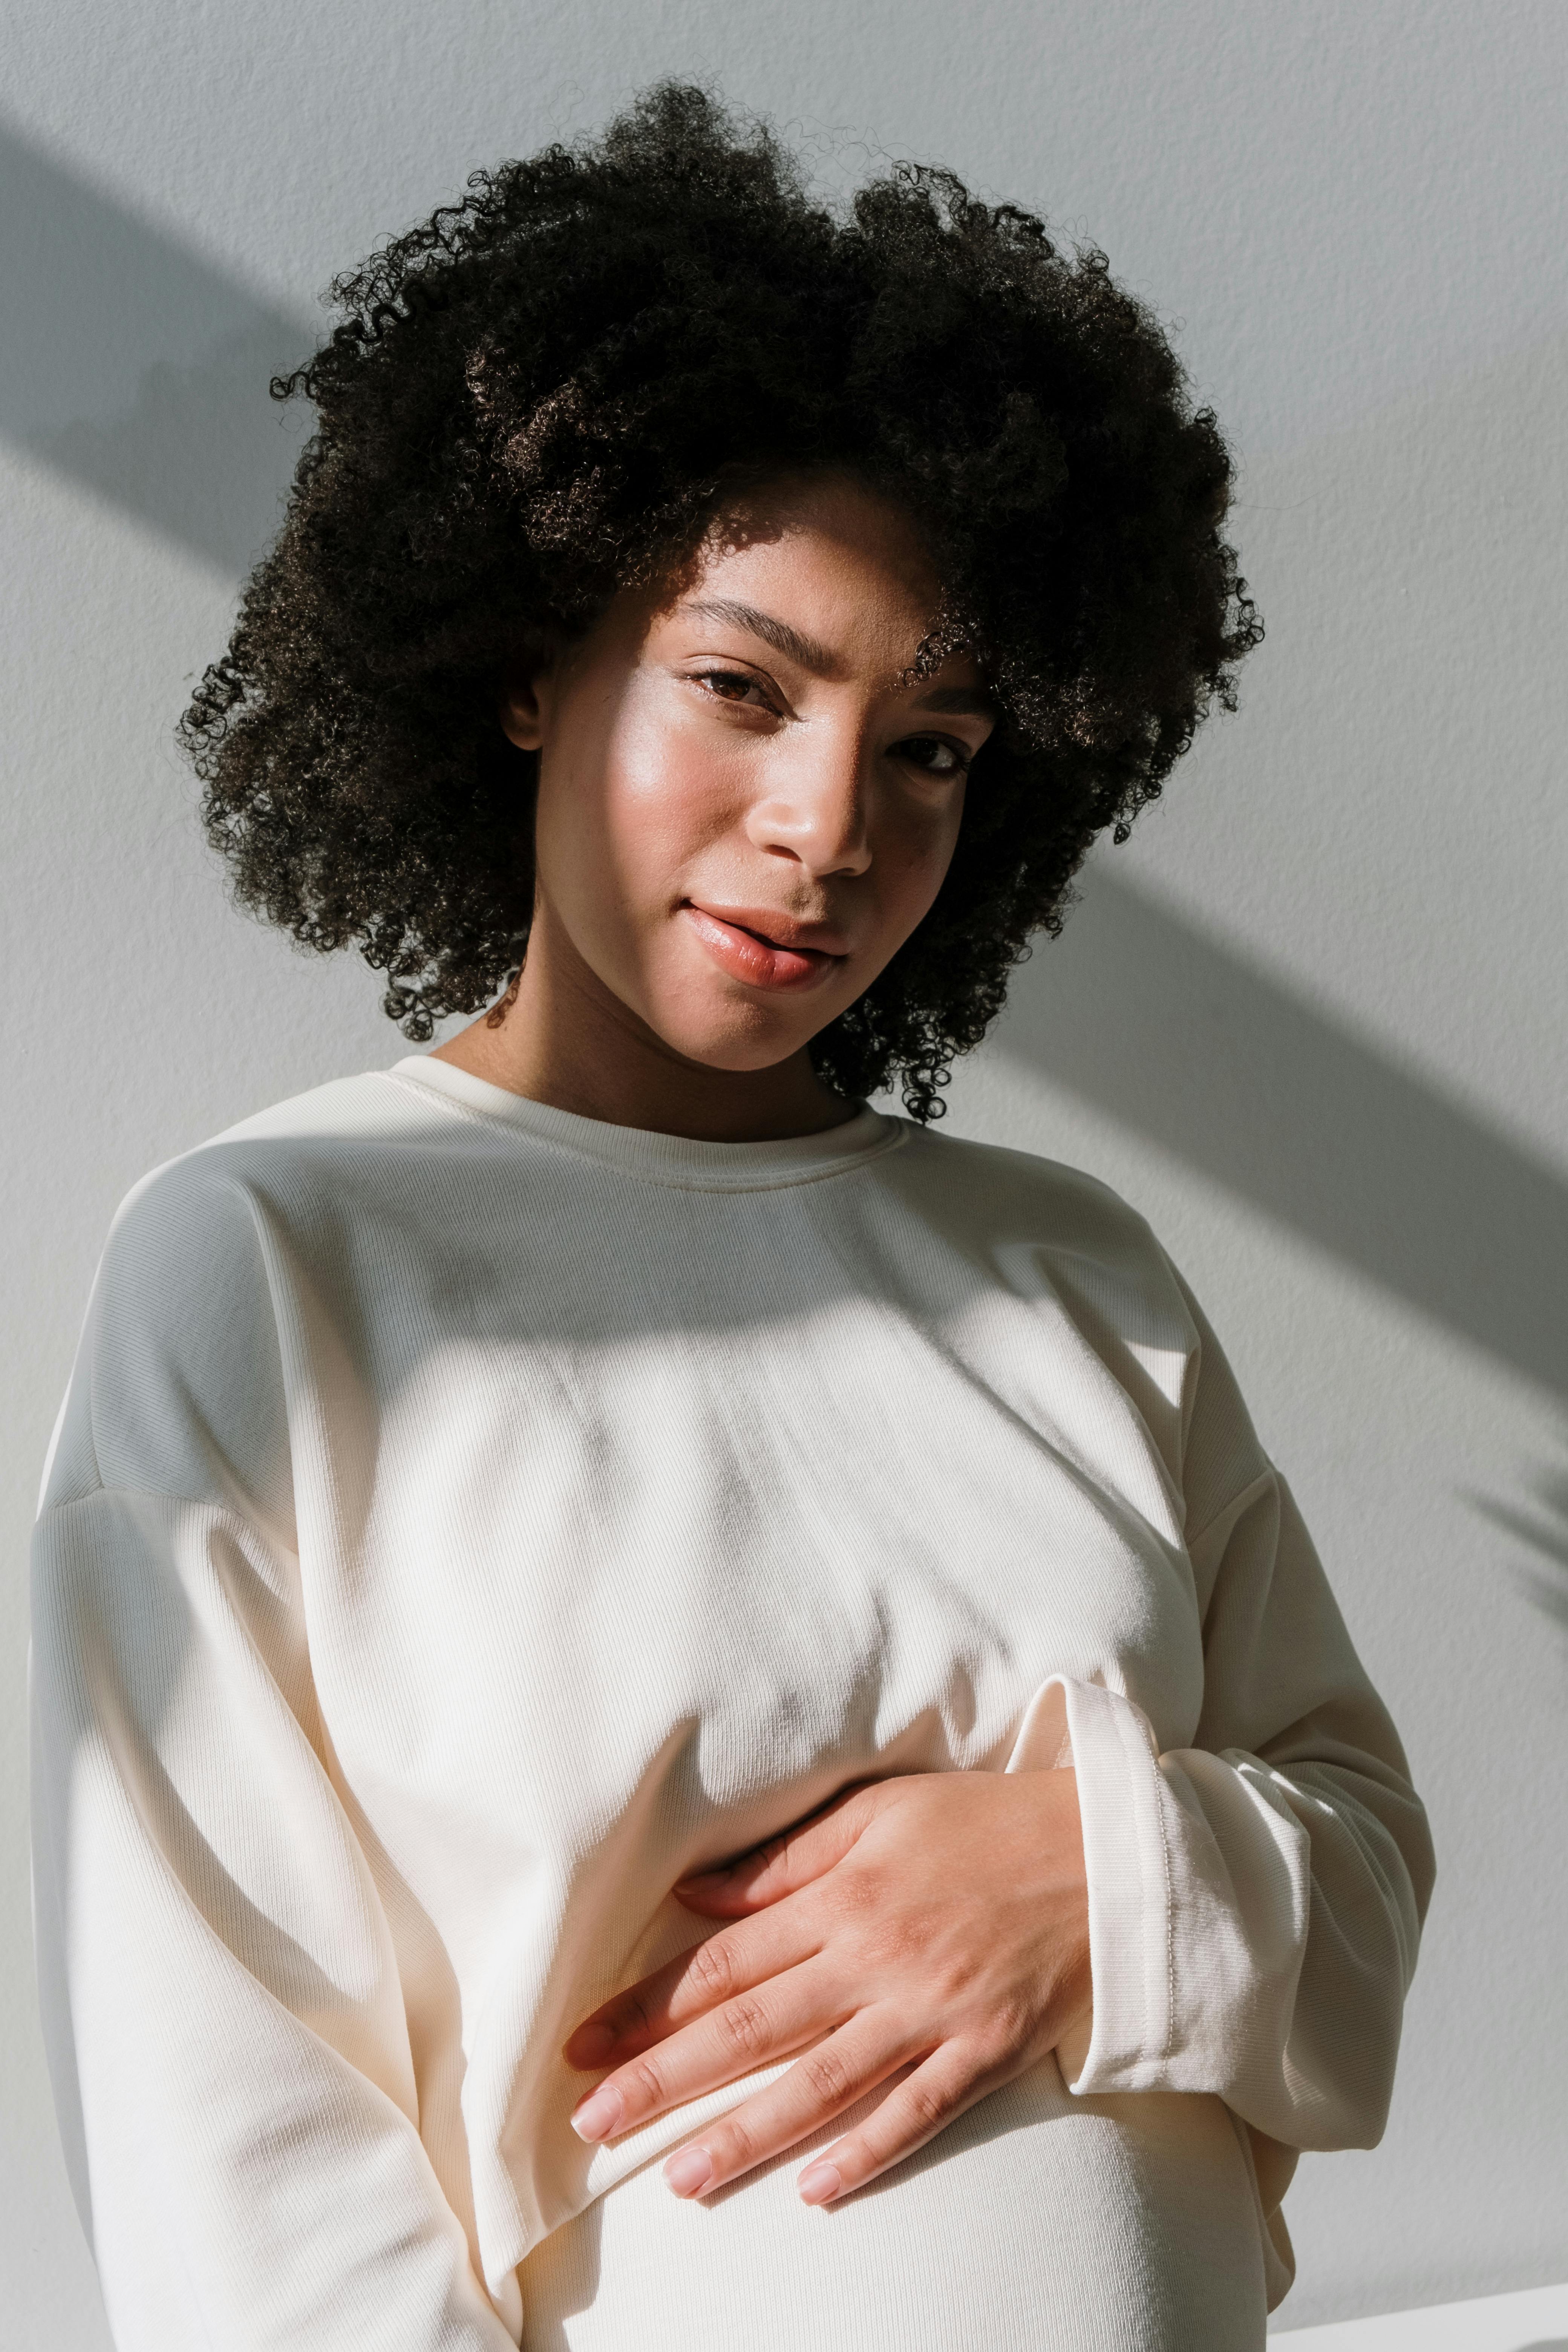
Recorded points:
(732, 686)
(933, 755)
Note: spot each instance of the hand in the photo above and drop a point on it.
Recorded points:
(938, 1921)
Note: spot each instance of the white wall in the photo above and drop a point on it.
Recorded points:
(1530, 2321)
(1311, 1020)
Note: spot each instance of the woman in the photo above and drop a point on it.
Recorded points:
(669, 1711)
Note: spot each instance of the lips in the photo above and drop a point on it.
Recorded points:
(764, 949)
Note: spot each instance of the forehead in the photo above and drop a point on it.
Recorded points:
(832, 575)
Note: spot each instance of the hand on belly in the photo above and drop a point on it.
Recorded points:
(937, 1922)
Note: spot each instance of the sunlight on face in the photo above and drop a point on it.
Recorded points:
(743, 813)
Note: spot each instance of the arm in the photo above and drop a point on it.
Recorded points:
(1255, 1898)
(221, 1997)
(1238, 1917)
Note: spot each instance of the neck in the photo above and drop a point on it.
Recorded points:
(564, 1038)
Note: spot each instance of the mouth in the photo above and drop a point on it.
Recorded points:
(765, 949)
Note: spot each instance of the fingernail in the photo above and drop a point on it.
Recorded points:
(690, 2172)
(599, 2114)
(819, 2183)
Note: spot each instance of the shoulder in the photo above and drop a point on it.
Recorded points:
(188, 1232)
(177, 1385)
(1060, 1234)
(316, 1143)
(1017, 1205)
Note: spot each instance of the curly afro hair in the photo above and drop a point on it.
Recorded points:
(548, 393)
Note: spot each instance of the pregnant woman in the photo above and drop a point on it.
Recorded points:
(672, 1712)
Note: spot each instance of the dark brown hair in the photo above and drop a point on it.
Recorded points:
(538, 396)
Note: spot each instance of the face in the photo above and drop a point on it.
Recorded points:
(743, 812)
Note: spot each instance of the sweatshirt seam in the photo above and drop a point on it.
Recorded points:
(1234, 1503)
(1136, 1746)
(1170, 2034)
(105, 1490)
(493, 1120)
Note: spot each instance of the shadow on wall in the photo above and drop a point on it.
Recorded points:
(1544, 1531)
(140, 371)
(1187, 1043)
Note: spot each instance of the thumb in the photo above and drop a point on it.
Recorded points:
(764, 1874)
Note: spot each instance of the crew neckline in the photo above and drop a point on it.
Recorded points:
(676, 1160)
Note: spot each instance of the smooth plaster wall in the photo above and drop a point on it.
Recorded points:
(1311, 1020)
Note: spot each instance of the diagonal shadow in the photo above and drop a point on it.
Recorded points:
(1184, 1041)
(1544, 1530)
(139, 370)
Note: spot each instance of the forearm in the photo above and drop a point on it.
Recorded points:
(221, 1999)
(1253, 1927)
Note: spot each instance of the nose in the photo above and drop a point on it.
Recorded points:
(812, 807)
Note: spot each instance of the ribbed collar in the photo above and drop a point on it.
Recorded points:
(663, 1159)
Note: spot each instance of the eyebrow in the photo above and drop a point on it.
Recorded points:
(804, 650)
(973, 701)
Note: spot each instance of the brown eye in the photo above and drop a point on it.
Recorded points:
(733, 685)
(933, 755)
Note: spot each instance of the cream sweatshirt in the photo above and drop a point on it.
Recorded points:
(465, 1518)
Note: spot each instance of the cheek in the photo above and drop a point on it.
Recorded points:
(914, 848)
(671, 786)
(622, 818)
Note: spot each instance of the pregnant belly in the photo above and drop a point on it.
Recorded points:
(1034, 2221)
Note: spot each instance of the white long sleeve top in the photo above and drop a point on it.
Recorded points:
(465, 1517)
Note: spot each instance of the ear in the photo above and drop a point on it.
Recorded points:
(520, 707)
(526, 689)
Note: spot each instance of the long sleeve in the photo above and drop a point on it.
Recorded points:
(463, 1514)
(221, 1994)
(1255, 1897)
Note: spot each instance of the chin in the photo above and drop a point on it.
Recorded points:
(723, 1046)
(740, 1058)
